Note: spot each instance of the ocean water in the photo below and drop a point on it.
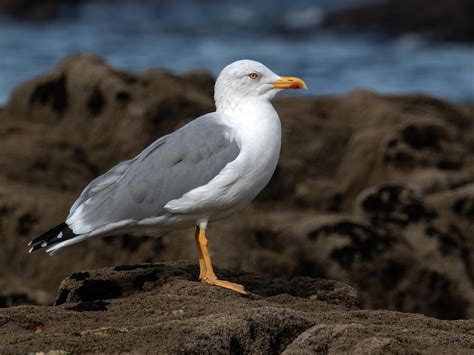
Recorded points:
(189, 34)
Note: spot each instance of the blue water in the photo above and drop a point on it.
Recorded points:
(189, 34)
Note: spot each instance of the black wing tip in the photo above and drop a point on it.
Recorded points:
(55, 235)
(59, 228)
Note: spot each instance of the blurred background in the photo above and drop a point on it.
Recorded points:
(375, 184)
(336, 45)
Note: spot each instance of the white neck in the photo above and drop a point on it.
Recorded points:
(246, 110)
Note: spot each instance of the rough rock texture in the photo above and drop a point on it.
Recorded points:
(436, 19)
(374, 191)
(161, 308)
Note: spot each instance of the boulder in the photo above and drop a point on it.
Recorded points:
(162, 308)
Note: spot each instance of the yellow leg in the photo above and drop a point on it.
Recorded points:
(202, 265)
(206, 273)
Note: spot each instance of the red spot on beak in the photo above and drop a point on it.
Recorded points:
(295, 86)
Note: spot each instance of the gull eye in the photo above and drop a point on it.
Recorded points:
(253, 76)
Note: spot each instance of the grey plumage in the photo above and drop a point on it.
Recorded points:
(173, 165)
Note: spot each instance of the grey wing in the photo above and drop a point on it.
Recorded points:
(172, 166)
(102, 183)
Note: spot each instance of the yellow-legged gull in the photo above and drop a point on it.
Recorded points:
(204, 171)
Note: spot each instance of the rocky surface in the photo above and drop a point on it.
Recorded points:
(162, 308)
(435, 19)
(374, 191)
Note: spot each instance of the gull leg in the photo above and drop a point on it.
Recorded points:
(202, 265)
(207, 274)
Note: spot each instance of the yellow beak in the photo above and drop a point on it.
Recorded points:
(289, 82)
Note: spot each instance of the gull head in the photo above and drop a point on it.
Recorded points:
(248, 79)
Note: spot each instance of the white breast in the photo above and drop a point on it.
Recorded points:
(257, 128)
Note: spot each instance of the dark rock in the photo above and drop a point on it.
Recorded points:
(62, 297)
(133, 267)
(52, 93)
(383, 184)
(358, 242)
(126, 242)
(96, 102)
(465, 207)
(14, 298)
(80, 276)
(35, 10)
(181, 315)
(436, 19)
(394, 204)
(89, 306)
(424, 144)
(444, 300)
(25, 223)
(123, 96)
(91, 290)
(427, 137)
(10, 297)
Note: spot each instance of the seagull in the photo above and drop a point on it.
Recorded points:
(205, 171)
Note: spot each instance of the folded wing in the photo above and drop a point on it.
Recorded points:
(173, 165)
